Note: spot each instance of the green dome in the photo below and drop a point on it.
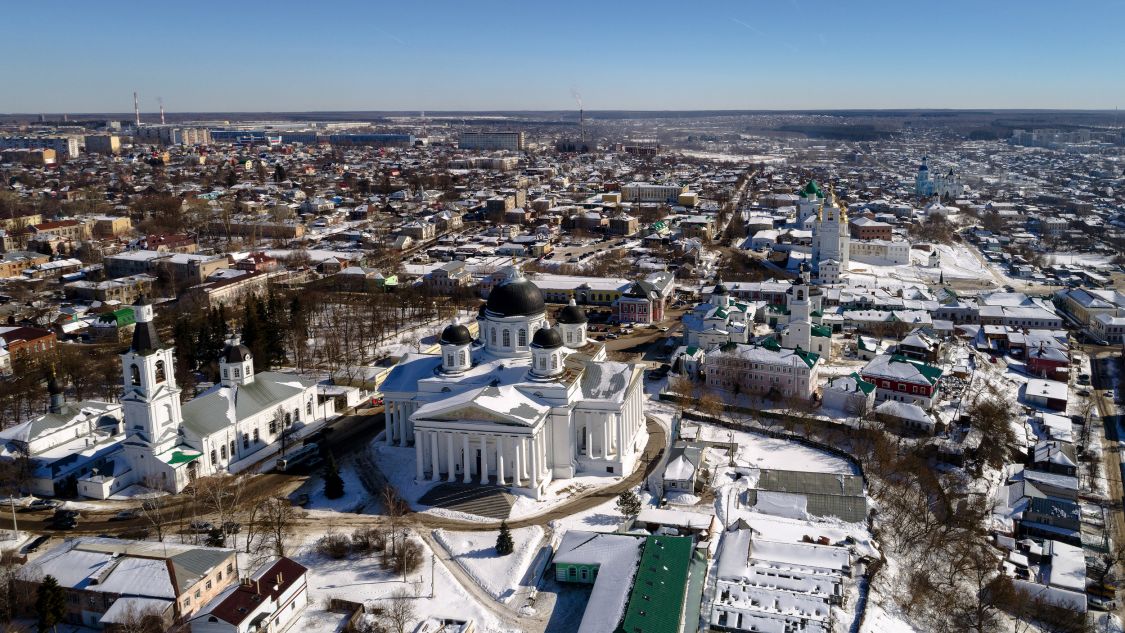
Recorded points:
(811, 190)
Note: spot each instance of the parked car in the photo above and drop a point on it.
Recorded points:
(42, 504)
(1099, 603)
(37, 543)
(230, 527)
(200, 527)
(65, 521)
(125, 515)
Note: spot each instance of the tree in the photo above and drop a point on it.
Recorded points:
(279, 173)
(50, 604)
(629, 504)
(398, 612)
(504, 544)
(145, 620)
(711, 405)
(333, 482)
(273, 518)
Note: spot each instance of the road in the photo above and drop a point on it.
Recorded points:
(1113, 467)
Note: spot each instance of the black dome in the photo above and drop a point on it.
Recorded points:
(720, 289)
(236, 353)
(571, 315)
(516, 297)
(547, 338)
(456, 334)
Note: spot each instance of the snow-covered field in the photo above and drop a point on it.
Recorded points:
(364, 579)
(761, 451)
(475, 552)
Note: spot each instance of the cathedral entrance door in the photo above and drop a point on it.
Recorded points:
(483, 475)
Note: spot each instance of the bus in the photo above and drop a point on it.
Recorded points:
(307, 453)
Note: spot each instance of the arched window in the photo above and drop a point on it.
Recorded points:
(237, 373)
(492, 334)
(449, 359)
(273, 426)
(569, 336)
(160, 377)
(521, 340)
(308, 407)
(296, 415)
(554, 362)
(507, 338)
(464, 357)
(288, 419)
(223, 451)
(542, 362)
(135, 374)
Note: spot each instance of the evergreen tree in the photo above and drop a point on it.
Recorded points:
(275, 330)
(50, 605)
(278, 173)
(252, 332)
(504, 544)
(629, 504)
(333, 482)
(184, 338)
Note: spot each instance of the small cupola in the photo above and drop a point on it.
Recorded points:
(236, 365)
(572, 325)
(455, 342)
(546, 353)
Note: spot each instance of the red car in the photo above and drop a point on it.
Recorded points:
(377, 401)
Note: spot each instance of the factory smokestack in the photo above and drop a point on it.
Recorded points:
(137, 108)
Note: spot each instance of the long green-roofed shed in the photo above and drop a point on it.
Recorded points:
(656, 602)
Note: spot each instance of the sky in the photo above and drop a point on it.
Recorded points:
(200, 56)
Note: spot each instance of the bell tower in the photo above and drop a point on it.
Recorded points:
(151, 398)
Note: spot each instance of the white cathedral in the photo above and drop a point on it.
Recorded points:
(947, 185)
(522, 404)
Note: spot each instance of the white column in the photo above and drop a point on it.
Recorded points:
(418, 456)
(389, 420)
(452, 476)
(466, 477)
(500, 460)
(619, 428)
(483, 458)
(534, 464)
(435, 456)
(589, 439)
(605, 437)
(517, 476)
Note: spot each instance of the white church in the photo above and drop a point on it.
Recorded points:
(831, 240)
(153, 440)
(523, 404)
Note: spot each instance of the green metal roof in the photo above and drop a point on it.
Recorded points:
(122, 317)
(660, 586)
(810, 190)
(867, 387)
(822, 331)
(929, 372)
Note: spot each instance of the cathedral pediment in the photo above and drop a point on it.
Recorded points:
(470, 413)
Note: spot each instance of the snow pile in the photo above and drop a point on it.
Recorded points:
(476, 553)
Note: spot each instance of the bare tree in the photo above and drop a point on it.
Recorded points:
(141, 620)
(275, 519)
(398, 612)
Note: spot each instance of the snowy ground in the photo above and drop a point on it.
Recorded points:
(355, 497)
(475, 552)
(364, 579)
(761, 451)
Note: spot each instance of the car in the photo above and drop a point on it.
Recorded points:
(611, 336)
(64, 522)
(663, 328)
(126, 515)
(1099, 603)
(231, 527)
(42, 504)
(377, 401)
(66, 514)
(36, 544)
(136, 534)
(200, 527)
(150, 504)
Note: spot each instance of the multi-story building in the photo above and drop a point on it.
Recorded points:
(123, 289)
(13, 263)
(64, 229)
(64, 146)
(896, 252)
(645, 300)
(864, 228)
(448, 278)
(109, 226)
(103, 144)
(766, 369)
(268, 601)
(899, 378)
(510, 141)
(180, 267)
(27, 341)
(651, 192)
(105, 579)
(172, 135)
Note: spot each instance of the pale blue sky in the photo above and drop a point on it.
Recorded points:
(82, 56)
